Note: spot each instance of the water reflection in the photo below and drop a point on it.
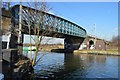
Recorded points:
(75, 66)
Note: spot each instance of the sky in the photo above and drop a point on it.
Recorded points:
(86, 14)
(62, 0)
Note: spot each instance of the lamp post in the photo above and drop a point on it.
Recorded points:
(95, 36)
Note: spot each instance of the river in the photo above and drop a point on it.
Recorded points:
(66, 66)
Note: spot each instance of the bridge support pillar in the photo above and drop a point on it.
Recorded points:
(72, 43)
(13, 44)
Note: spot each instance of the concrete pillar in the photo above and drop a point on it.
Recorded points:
(16, 39)
(14, 43)
(68, 45)
(72, 43)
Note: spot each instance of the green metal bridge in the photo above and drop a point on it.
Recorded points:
(72, 32)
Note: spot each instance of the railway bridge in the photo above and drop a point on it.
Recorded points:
(53, 25)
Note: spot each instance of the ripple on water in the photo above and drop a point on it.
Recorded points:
(69, 66)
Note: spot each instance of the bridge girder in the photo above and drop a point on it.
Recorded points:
(48, 22)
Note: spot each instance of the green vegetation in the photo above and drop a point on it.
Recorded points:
(105, 52)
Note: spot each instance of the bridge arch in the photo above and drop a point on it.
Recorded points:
(91, 44)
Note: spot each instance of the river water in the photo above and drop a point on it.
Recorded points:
(66, 66)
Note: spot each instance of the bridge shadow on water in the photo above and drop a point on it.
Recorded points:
(62, 51)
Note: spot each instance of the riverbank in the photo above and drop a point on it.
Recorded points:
(14, 65)
(100, 52)
(60, 49)
(47, 47)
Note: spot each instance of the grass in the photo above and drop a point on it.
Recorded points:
(113, 50)
(108, 52)
(103, 50)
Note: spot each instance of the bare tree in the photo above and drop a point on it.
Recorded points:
(115, 40)
(35, 21)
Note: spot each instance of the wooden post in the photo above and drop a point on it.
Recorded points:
(20, 35)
